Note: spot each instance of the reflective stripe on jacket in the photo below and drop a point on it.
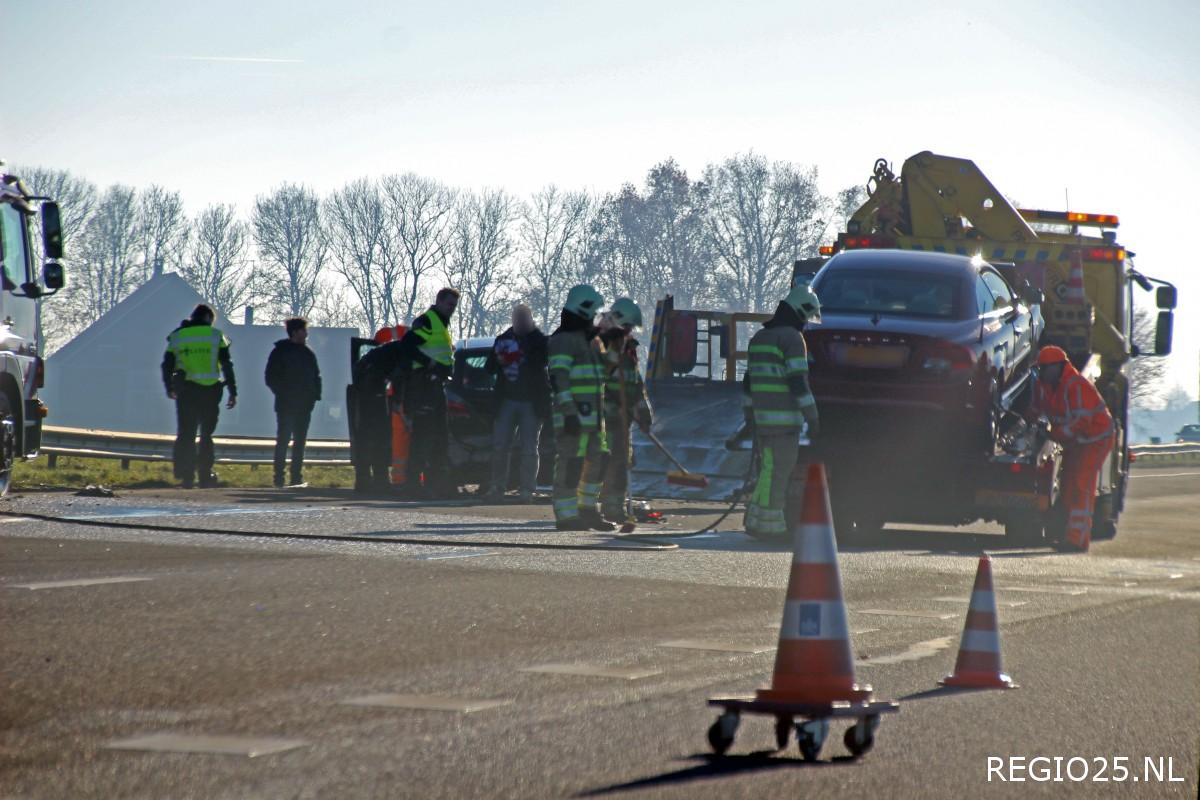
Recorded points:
(197, 349)
(577, 373)
(637, 403)
(778, 356)
(1075, 408)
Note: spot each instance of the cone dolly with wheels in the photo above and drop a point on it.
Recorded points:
(814, 668)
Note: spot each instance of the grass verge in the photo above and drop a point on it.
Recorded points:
(75, 473)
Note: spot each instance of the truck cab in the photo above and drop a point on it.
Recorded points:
(25, 280)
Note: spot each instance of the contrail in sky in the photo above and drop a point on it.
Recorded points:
(241, 59)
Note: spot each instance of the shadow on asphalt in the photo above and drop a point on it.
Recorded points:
(712, 766)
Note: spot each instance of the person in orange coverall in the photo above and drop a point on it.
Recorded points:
(1080, 422)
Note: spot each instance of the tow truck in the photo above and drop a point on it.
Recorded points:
(937, 204)
(946, 204)
(22, 368)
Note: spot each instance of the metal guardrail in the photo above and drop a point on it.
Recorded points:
(1170, 454)
(129, 447)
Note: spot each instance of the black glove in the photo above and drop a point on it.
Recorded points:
(572, 426)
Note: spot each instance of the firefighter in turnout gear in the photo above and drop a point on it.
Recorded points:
(779, 404)
(625, 402)
(197, 356)
(577, 373)
(428, 355)
(1081, 423)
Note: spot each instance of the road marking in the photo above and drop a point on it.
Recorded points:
(717, 645)
(1095, 582)
(966, 601)
(426, 702)
(6, 520)
(220, 745)
(1044, 590)
(916, 652)
(78, 582)
(1167, 475)
(855, 632)
(457, 555)
(1121, 573)
(885, 612)
(594, 671)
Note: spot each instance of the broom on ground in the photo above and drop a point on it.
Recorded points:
(681, 478)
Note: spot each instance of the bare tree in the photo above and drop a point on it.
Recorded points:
(287, 230)
(356, 228)
(482, 245)
(335, 308)
(1146, 373)
(761, 218)
(216, 265)
(76, 197)
(420, 212)
(676, 249)
(846, 202)
(162, 229)
(550, 231)
(107, 267)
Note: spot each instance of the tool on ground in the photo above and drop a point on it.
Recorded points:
(682, 477)
(814, 665)
(978, 665)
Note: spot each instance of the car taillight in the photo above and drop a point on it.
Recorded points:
(945, 357)
(39, 372)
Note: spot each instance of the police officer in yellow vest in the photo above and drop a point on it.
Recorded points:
(779, 404)
(429, 363)
(625, 403)
(577, 375)
(197, 356)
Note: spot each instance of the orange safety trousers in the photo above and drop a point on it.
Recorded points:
(401, 435)
(1080, 473)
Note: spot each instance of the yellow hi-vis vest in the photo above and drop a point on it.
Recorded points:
(435, 340)
(196, 348)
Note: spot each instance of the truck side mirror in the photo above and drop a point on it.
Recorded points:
(54, 276)
(1162, 332)
(1166, 297)
(1032, 295)
(52, 241)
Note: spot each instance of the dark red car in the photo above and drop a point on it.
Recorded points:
(915, 358)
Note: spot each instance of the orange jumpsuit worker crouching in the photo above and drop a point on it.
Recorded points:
(1080, 422)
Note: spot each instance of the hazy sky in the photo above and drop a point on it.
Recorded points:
(224, 99)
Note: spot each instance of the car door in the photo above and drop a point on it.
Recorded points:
(1020, 321)
(996, 337)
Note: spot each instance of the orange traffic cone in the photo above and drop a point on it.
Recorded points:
(978, 664)
(814, 663)
(1075, 292)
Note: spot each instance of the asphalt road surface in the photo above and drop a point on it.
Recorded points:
(562, 672)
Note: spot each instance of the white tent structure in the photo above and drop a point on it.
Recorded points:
(109, 375)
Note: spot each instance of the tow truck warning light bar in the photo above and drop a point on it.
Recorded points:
(1074, 217)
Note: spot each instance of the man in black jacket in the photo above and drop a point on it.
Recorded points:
(518, 360)
(428, 361)
(295, 379)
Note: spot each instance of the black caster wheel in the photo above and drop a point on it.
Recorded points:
(859, 739)
(722, 732)
(783, 729)
(810, 738)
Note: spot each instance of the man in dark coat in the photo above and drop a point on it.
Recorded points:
(372, 447)
(518, 360)
(295, 379)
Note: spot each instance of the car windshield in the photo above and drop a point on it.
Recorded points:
(887, 292)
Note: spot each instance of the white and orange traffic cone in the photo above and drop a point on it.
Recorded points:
(814, 662)
(1075, 292)
(978, 665)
